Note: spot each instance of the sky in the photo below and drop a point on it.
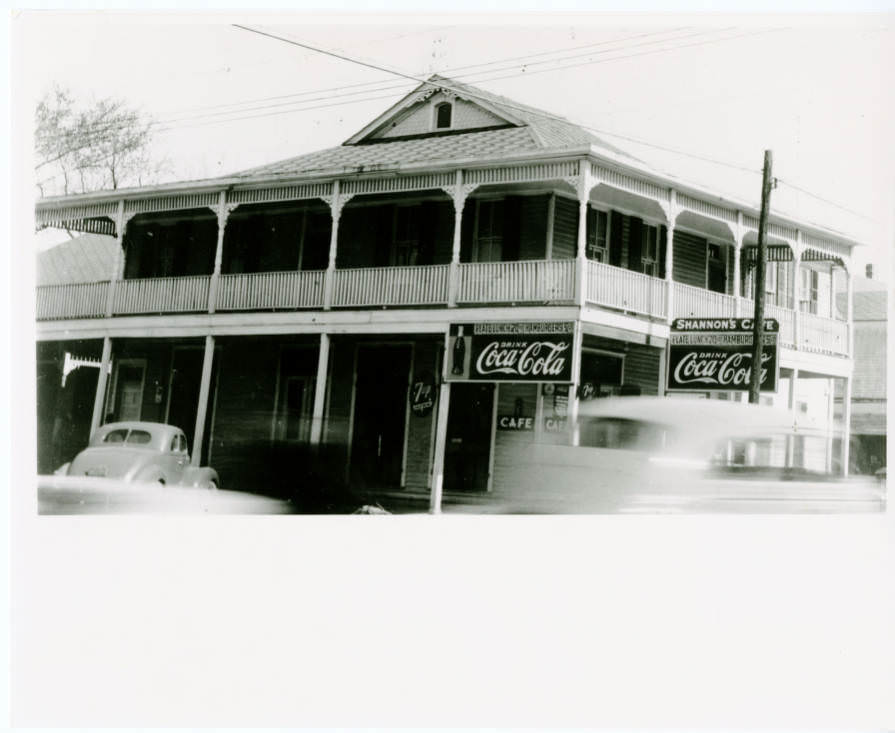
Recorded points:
(815, 90)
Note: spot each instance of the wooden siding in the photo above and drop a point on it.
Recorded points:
(565, 229)
(689, 265)
(338, 408)
(641, 363)
(243, 413)
(642, 368)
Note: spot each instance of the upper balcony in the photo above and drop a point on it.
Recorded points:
(528, 282)
(526, 235)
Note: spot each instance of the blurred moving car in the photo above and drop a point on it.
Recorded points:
(670, 454)
(66, 495)
(140, 451)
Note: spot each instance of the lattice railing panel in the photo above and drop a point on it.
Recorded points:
(280, 193)
(521, 173)
(394, 184)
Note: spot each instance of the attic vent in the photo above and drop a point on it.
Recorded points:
(443, 116)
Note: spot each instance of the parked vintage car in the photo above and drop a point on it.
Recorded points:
(674, 454)
(143, 452)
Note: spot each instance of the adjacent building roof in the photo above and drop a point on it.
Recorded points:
(84, 259)
(524, 129)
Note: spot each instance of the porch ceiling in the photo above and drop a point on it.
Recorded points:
(631, 203)
(712, 227)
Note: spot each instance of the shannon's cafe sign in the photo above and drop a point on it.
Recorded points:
(715, 355)
(511, 352)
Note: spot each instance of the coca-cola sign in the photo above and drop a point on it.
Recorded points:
(715, 354)
(512, 352)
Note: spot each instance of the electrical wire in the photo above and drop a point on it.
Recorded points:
(826, 201)
(384, 86)
(448, 72)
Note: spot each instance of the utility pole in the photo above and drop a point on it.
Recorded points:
(758, 317)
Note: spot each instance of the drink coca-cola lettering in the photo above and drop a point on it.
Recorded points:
(534, 359)
(724, 370)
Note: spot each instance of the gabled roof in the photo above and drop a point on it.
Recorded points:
(527, 130)
(84, 259)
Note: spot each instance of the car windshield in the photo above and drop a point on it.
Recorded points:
(622, 434)
(128, 437)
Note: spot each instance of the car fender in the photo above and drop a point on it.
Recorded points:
(200, 477)
(146, 470)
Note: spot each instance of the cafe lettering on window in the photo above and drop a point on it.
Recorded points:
(715, 355)
(511, 352)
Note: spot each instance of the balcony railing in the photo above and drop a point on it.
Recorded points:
(532, 281)
(823, 335)
(616, 287)
(690, 301)
(784, 317)
(161, 295)
(527, 281)
(270, 291)
(79, 300)
(391, 286)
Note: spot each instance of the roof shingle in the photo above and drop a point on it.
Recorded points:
(539, 130)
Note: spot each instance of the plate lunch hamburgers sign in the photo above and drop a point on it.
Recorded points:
(511, 352)
(715, 355)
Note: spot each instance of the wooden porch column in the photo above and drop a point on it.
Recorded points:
(99, 399)
(849, 308)
(791, 406)
(830, 397)
(796, 287)
(737, 255)
(585, 183)
(320, 390)
(669, 256)
(223, 213)
(459, 198)
(581, 253)
(204, 389)
(846, 427)
(444, 402)
(574, 399)
(335, 206)
(118, 262)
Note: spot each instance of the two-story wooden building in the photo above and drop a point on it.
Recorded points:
(295, 318)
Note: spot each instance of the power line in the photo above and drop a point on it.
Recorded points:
(510, 105)
(167, 125)
(826, 201)
(449, 71)
(393, 86)
(383, 86)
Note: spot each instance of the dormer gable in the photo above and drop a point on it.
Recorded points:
(434, 108)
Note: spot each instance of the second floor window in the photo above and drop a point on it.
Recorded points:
(597, 235)
(649, 250)
(407, 235)
(489, 231)
(808, 287)
(443, 116)
(716, 273)
(770, 281)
